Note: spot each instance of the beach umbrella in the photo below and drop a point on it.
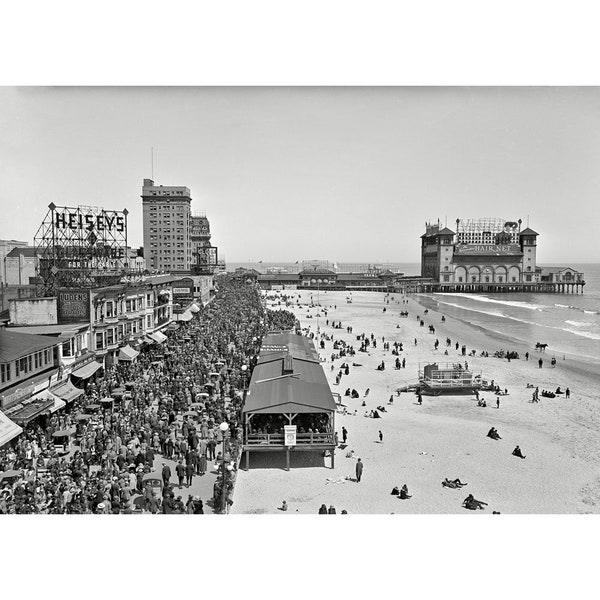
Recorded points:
(209, 384)
(62, 433)
(213, 374)
(190, 413)
(107, 400)
(92, 407)
(83, 417)
(202, 394)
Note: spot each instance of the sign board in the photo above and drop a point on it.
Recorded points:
(183, 293)
(289, 435)
(276, 286)
(21, 393)
(497, 249)
(290, 286)
(73, 305)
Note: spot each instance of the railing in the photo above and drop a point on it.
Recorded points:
(277, 439)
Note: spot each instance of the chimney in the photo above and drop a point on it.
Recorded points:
(288, 364)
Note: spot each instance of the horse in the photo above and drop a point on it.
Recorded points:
(541, 347)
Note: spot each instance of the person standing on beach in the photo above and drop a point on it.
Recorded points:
(344, 435)
(380, 436)
(567, 393)
(497, 401)
(359, 470)
(540, 362)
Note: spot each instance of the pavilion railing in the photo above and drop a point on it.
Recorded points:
(276, 439)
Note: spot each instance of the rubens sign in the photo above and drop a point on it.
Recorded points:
(489, 248)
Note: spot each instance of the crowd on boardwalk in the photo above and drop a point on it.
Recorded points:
(173, 402)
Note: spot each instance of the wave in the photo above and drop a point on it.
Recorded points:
(578, 323)
(513, 303)
(586, 334)
(591, 312)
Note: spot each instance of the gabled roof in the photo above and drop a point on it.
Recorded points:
(274, 388)
(27, 251)
(529, 231)
(16, 345)
(445, 231)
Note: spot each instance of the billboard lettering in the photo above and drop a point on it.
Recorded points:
(104, 221)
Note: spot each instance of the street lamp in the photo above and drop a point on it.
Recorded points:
(224, 426)
(244, 371)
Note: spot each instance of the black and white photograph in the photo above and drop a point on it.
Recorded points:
(246, 300)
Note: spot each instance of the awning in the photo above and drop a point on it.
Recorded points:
(186, 316)
(58, 404)
(67, 391)
(157, 337)
(8, 429)
(194, 308)
(31, 409)
(127, 353)
(87, 370)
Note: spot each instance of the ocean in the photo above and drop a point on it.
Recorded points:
(568, 323)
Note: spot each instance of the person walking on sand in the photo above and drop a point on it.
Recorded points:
(380, 436)
(344, 435)
(540, 362)
(567, 393)
(497, 401)
(359, 470)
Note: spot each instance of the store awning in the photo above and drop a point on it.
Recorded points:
(58, 404)
(157, 337)
(194, 308)
(31, 409)
(186, 316)
(67, 391)
(87, 370)
(127, 353)
(8, 429)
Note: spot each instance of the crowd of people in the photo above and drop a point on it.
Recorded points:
(169, 403)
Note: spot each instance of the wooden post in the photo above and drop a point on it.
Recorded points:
(247, 460)
(333, 458)
(287, 458)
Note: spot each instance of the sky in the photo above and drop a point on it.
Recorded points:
(286, 174)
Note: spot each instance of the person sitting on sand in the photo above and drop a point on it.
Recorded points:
(404, 493)
(395, 491)
(323, 510)
(517, 452)
(453, 483)
(492, 433)
(471, 504)
(558, 391)
(376, 415)
(283, 506)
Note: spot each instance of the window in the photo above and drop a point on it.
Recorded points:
(110, 337)
(487, 279)
(4, 373)
(66, 349)
(109, 309)
(149, 321)
(500, 278)
(127, 305)
(23, 365)
(446, 277)
(527, 277)
(474, 279)
(99, 341)
(514, 279)
(460, 279)
(30, 362)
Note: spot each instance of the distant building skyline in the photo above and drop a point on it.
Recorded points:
(350, 174)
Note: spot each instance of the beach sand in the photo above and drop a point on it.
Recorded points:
(446, 435)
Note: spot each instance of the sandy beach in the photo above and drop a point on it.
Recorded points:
(446, 435)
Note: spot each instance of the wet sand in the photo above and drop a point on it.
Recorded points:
(446, 436)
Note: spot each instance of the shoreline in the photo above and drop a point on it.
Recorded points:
(443, 437)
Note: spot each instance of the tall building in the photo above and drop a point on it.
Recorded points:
(167, 227)
(20, 266)
(200, 234)
(7, 246)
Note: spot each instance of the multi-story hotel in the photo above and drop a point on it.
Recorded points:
(167, 227)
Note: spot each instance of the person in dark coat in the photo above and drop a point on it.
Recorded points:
(323, 510)
(180, 470)
(344, 435)
(166, 474)
(189, 472)
(359, 470)
(517, 452)
(331, 510)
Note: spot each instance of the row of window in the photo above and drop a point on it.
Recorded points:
(27, 364)
(487, 279)
(116, 334)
